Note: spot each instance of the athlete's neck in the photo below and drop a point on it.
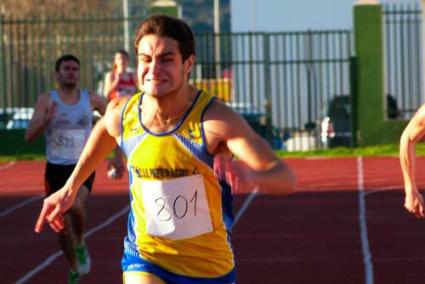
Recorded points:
(164, 112)
(120, 70)
(69, 95)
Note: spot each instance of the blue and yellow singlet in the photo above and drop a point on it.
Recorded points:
(181, 215)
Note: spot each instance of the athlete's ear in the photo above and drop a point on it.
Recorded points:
(188, 64)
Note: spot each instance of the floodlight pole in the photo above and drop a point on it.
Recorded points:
(217, 29)
(423, 46)
(254, 18)
(126, 25)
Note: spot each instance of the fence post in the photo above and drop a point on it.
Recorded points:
(310, 125)
(354, 106)
(2, 67)
(368, 36)
(423, 44)
(372, 126)
(267, 87)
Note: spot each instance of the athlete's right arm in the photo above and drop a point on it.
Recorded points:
(413, 133)
(101, 142)
(111, 83)
(41, 117)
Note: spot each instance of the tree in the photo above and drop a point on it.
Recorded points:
(37, 8)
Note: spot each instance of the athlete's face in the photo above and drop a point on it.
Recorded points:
(121, 60)
(160, 68)
(68, 74)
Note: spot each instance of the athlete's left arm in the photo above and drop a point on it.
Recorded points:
(257, 165)
(98, 103)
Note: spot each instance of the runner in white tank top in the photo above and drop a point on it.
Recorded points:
(65, 117)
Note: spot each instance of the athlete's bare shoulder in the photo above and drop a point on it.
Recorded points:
(43, 101)
(229, 122)
(118, 103)
(222, 124)
(98, 102)
(113, 115)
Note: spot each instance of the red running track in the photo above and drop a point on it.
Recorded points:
(345, 224)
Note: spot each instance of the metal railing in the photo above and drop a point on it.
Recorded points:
(403, 56)
(282, 80)
(289, 76)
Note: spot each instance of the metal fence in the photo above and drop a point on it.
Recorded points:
(29, 48)
(282, 81)
(403, 56)
(290, 76)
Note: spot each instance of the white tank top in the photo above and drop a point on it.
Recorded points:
(67, 132)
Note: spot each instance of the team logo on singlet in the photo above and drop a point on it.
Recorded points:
(194, 133)
(83, 120)
(163, 172)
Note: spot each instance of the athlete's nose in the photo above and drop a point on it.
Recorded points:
(155, 67)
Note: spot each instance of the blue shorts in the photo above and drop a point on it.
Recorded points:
(134, 263)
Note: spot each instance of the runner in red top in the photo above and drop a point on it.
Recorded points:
(119, 81)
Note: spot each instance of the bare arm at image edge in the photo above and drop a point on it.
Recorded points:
(411, 135)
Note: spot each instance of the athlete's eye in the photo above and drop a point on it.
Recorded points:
(167, 59)
(145, 59)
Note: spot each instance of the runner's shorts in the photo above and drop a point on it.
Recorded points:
(131, 263)
(56, 176)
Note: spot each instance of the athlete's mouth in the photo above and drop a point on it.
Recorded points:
(155, 80)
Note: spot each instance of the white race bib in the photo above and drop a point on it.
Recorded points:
(176, 209)
(67, 143)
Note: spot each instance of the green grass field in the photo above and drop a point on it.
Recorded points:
(382, 150)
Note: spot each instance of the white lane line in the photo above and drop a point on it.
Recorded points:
(382, 189)
(245, 205)
(367, 257)
(43, 265)
(7, 165)
(107, 222)
(52, 257)
(19, 205)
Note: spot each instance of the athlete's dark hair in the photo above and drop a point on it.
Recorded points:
(162, 25)
(123, 52)
(66, 57)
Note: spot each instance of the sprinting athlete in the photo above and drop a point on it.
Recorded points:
(64, 115)
(176, 140)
